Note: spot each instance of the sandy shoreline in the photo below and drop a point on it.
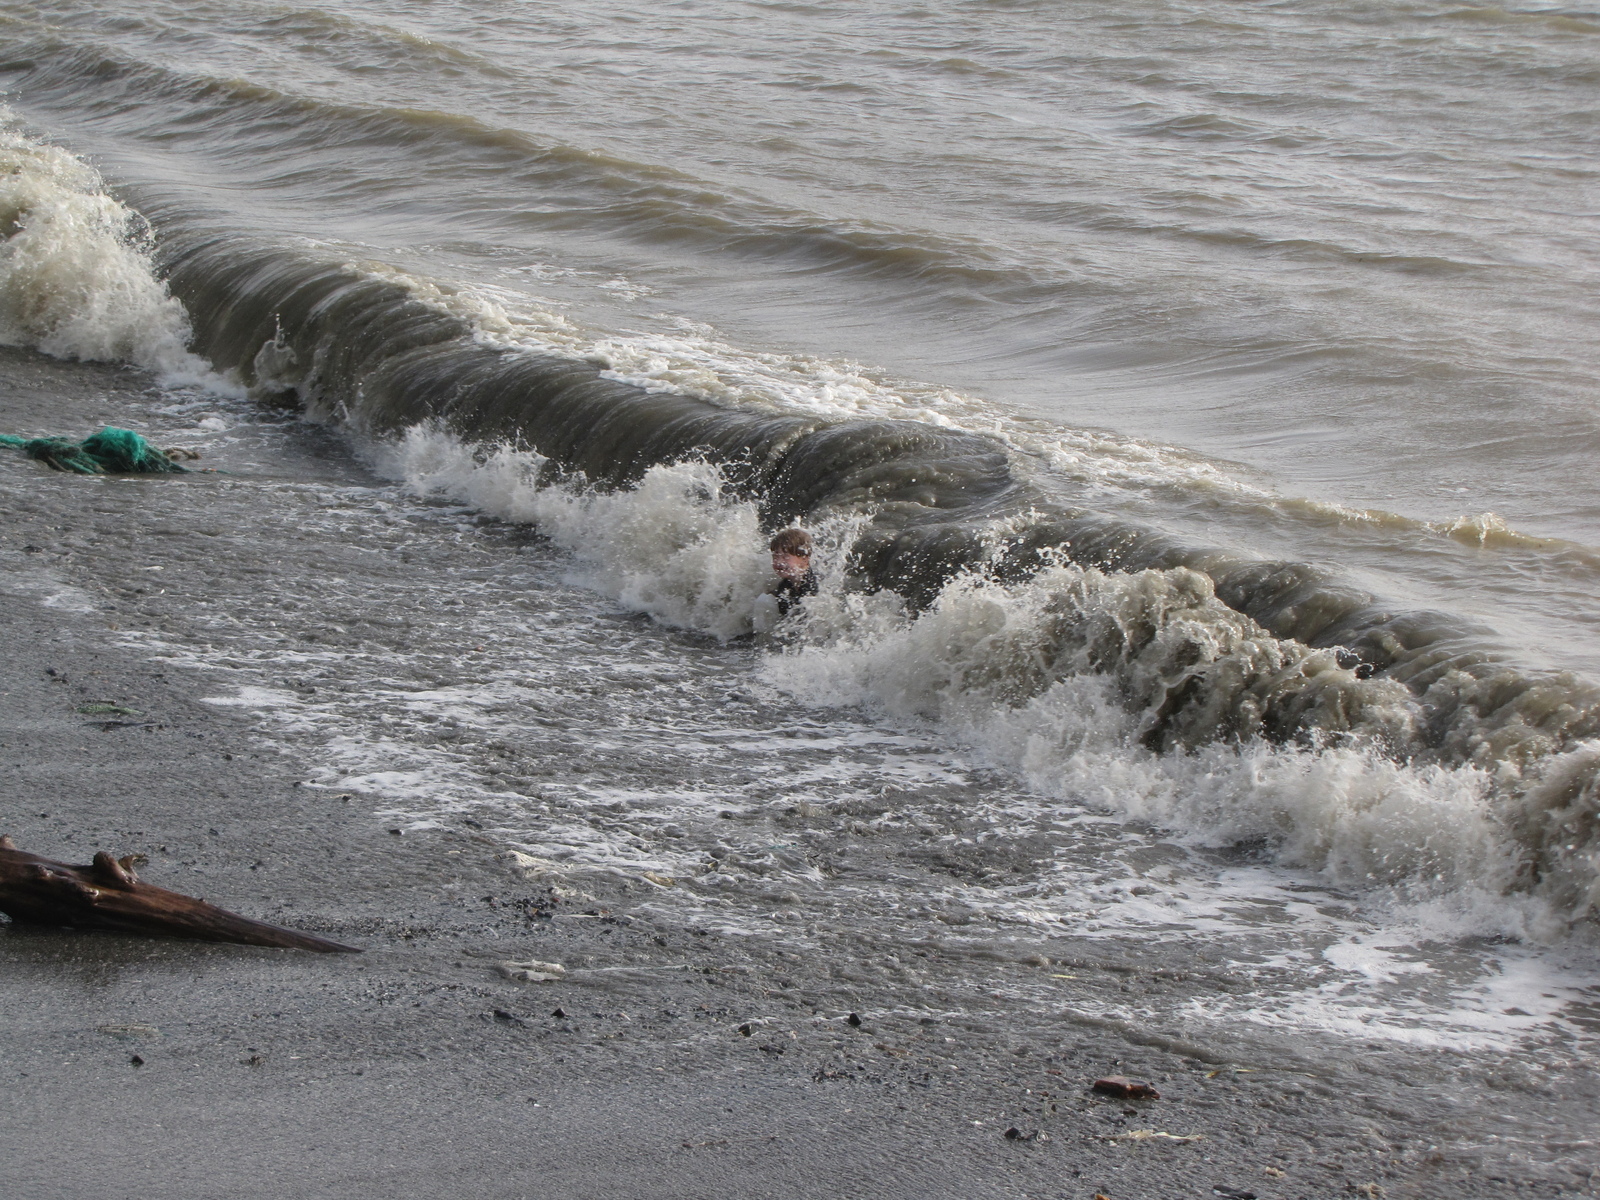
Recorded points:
(415, 1070)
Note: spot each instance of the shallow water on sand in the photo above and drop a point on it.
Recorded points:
(1324, 273)
(450, 669)
(1268, 335)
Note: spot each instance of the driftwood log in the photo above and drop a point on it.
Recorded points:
(108, 895)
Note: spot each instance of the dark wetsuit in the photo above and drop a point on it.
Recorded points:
(789, 592)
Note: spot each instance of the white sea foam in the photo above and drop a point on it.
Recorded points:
(979, 664)
(76, 279)
(674, 547)
(991, 666)
(1056, 680)
(539, 740)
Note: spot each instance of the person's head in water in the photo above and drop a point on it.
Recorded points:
(791, 554)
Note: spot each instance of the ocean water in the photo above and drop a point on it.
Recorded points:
(1194, 407)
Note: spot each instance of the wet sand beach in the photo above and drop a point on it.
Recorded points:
(1191, 409)
(679, 1057)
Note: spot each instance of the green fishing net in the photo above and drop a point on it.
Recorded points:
(110, 452)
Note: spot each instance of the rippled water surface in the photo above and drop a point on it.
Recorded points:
(1195, 405)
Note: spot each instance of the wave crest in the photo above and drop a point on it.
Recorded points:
(1140, 693)
(76, 274)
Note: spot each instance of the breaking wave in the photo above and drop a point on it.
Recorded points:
(1138, 692)
(76, 277)
(961, 591)
(1247, 702)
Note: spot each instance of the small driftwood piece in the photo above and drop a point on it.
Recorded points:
(108, 895)
(1124, 1088)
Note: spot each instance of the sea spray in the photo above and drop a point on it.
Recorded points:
(676, 547)
(663, 497)
(1063, 679)
(1060, 679)
(76, 275)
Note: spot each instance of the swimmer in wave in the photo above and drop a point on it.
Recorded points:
(791, 562)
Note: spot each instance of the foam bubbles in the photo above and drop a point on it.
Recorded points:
(1070, 680)
(75, 278)
(1067, 680)
(675, 547)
